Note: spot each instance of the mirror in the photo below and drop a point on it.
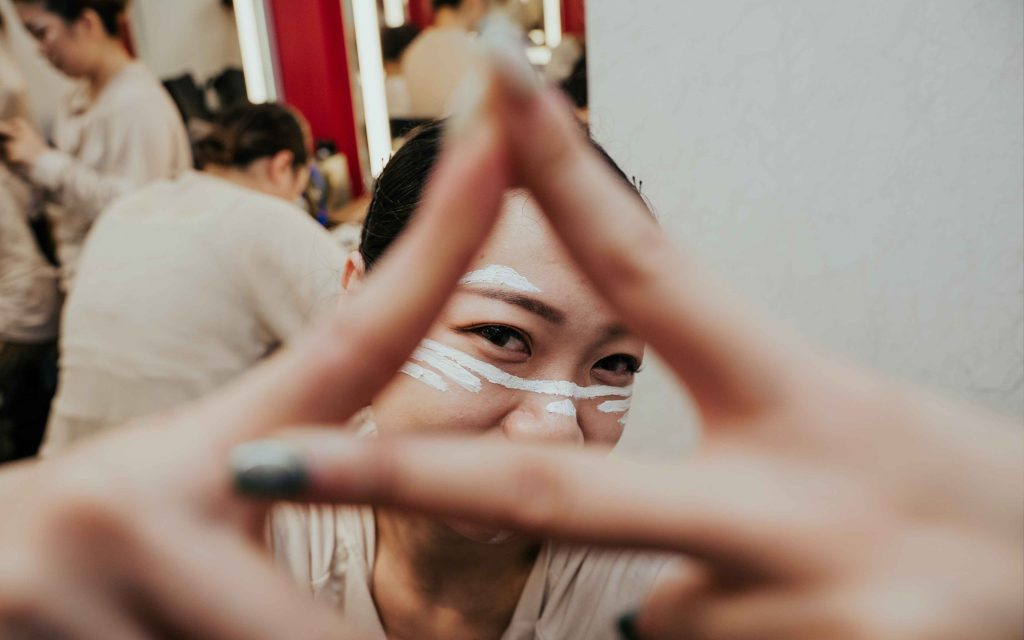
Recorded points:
(203, 71)
(412, 55)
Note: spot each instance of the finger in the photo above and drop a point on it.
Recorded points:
(731, 513)
(730, 361)
(69, 611)
(768, 615)
(334, 371)
(207, 584)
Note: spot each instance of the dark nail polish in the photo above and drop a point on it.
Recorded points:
(627, 627)
(268, 469)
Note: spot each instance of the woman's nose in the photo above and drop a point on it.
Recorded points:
(544, 419)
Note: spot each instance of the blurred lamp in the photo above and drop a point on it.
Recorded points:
(371, 81)
(553, 22)
(257, 51)
(394, 13)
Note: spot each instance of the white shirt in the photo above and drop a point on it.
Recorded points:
(130, 135)
(434, 66)
(29, 299)
(573, 592)
(182, 286)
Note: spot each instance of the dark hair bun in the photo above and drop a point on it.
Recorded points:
(111, 12)
(249, 132)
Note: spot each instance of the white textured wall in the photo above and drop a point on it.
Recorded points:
(179, 36)
(856, 167)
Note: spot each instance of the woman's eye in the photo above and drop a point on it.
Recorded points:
(503, 337)
(619, 366)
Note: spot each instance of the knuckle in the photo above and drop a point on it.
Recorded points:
(84, 515)
(22, 592)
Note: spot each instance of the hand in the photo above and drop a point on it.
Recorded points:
(824, 502)
(139, 534)
(20, 143)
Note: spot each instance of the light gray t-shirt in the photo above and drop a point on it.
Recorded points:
(573, 592)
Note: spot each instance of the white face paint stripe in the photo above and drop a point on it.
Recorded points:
(460, 362)
(501, 276)
(562, 408)
(615, 406)
(449, 368)
(425, 376)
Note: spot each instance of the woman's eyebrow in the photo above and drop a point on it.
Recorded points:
(533, 305)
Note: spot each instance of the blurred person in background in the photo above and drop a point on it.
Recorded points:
(29, 306)
(185, 284)
(29, 300)
(12, 85)
(394, 42)
(438, 60)
(116, 131)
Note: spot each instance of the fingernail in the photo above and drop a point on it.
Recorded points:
(268, 469)
(507, 54)
(627, 627)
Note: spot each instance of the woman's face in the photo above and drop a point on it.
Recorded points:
(525, 350)
(68, 46)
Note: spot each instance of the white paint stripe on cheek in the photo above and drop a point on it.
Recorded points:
(494, 375)
(425, 376)
(562, 408)
(615, 406)
(450, 369)
(497, 274)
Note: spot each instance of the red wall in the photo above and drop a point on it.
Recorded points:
(313, 63)
(574, 17)
(421, 13)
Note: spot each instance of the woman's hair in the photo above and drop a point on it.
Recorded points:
(395, 40)
(110, 12)
(248, 132)
(398, 190)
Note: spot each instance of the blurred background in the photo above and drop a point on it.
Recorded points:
(855, 168)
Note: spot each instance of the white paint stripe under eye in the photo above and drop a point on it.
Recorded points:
(502, 276)
(615, 406)
(425, 376)
(562, 408)
(449, 368)
(460, 362)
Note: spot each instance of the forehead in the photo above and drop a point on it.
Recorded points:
(524, 240)
(36, 16)
(33, 11)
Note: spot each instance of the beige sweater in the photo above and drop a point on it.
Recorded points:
(183, 285)
(130, 135)
(29, 300)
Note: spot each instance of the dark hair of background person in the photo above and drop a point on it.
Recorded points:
(395, 40)
(454, 4)
(110, 12)
(249, 132)
(398, 190)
